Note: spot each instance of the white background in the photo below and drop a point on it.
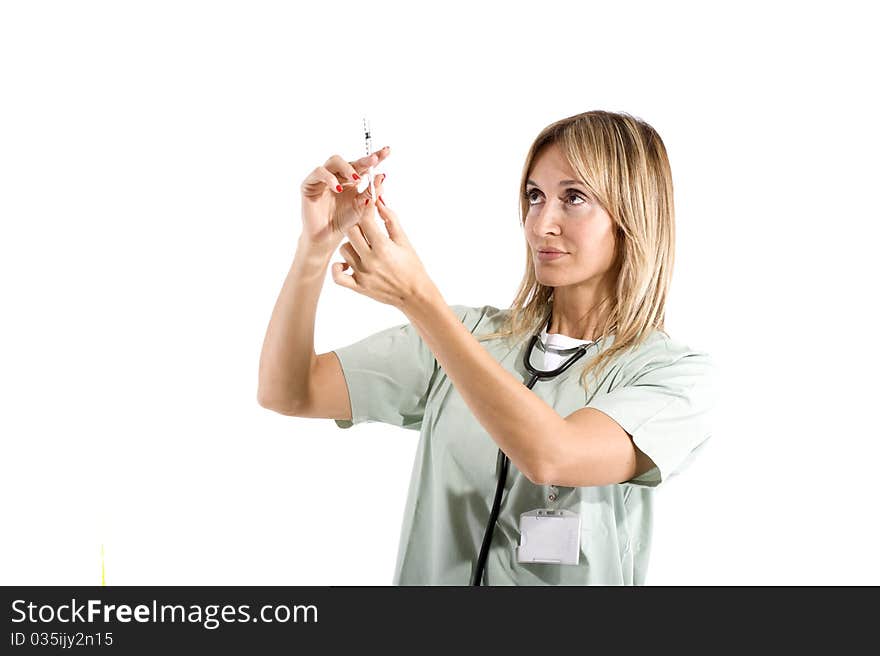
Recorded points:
(150, 161)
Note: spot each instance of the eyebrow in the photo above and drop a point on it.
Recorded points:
(561, 182)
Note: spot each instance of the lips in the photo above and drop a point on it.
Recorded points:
(546, 256)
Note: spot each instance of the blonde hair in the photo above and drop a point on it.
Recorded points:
(623, 162)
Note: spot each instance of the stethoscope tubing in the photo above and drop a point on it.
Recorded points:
(503, 460)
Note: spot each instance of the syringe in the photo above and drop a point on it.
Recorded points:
(368, 140)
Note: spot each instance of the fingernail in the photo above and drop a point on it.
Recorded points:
(383, 177)
(338, 187)
(367, 202)
(355, 176)
(381, 199)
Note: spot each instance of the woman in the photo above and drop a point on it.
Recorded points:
(578, 457)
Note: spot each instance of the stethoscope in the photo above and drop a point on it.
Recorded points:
(503, 461)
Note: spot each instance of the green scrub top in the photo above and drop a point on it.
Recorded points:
(661, 394)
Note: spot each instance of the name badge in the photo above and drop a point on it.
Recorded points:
(549, 536)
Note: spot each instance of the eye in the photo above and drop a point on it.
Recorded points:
(575, 195)
(569, 193)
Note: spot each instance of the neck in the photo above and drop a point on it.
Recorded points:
(578, 316)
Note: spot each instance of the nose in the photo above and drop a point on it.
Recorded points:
(545, 221)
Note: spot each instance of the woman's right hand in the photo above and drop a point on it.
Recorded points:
(328, 213)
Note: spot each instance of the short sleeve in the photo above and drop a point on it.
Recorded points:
(667, 408)
(389, 376)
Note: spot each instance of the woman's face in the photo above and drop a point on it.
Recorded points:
(563, 215)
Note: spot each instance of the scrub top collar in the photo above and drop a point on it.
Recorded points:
(558, 342)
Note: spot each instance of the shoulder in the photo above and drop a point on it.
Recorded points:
(661, 345)
(481, 318)
(674, 361)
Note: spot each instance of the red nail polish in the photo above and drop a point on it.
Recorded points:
(381, 199)
(367, 202)
(338, 187)
(355, 176)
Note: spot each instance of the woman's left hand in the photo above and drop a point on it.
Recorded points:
(385, 267)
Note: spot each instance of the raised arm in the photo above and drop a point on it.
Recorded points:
(293, 380)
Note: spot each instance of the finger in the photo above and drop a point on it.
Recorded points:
(392, 224)
(319, 179)
(349, 254)
(382, 153)
(374, 159)
(378, 186)
(378, 182)
(368, 225)
(364, 187)
(358, 240)
(343, 171)
(342, 279)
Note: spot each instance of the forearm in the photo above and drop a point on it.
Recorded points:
(520, 422)
(289, 345)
